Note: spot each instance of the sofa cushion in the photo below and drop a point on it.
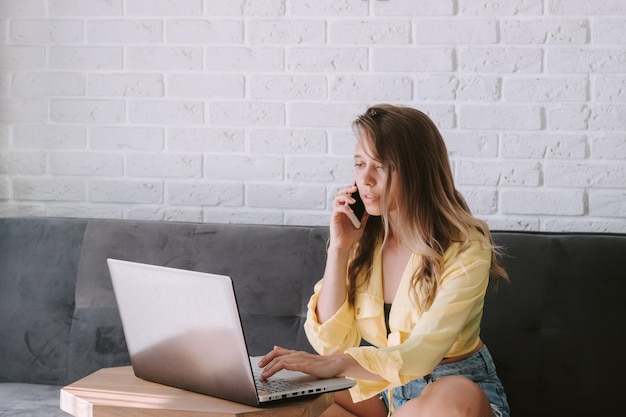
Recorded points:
(554, 328)
(35, 307)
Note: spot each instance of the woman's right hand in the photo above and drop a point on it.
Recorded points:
(343, 234)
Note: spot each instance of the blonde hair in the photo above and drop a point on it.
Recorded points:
(431, 212)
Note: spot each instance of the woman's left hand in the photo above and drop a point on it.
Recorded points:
(294, 360)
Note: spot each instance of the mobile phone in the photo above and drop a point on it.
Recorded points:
(358, 209)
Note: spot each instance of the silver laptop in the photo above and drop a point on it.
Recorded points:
(183, 329)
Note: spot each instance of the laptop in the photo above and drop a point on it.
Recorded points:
(183, 329)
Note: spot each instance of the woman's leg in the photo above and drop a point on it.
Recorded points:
(451, 396)
(344, 407)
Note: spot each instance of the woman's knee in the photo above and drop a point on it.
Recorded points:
(452, 396)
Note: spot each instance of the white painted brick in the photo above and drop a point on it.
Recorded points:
(126, 191)
(442, 115)
(610, 88)
(125, 85)
(5, 190)
(86, 164)
(228, 194)
(86, 58)
(287, 196)
(165, 8)
(170, 112)
(22, 210)
(288, 86)
(242, 216)
(182, 214)
(323, 114)
(46, 31)
(238, 59)
(44, 136)
(607, 117)
(22, 8)
(81, 211)
(607, 203)
(539, 145)
(39, 84)
(48, 189)
(585, 7)
(13, 110)
(546, 89)
(206, 86)
(5, 83)
(455, 31)
(368, 87)
(573, 174)
(259, 8)
(586, 59)
(205, 140)
(370, 32)
(438, 87)
(342, 142)
(124, 31)
(288, 141)
(500, 60)
(112, 138)
(204, 31)
(329, 8)
(500, 172)
(507, 117)
(327, 59)
(21, 57)
(4, 137)
(584, 225)
(501, 7)
(413, 8)
(243, 167)
(480, 200)
(512, 223)
(608, 31)
(302, 218)
(286, 32)
(170, 165)
(401, 59)
(247, 113)
(610, 146)
(163, 58)
(322, 168)
(22, 162)
(545, 201)
(471, 144)
(545, 31)
(87, 111)
(567, 116)
(86, 7)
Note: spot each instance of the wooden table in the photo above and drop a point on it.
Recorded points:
(117, 392)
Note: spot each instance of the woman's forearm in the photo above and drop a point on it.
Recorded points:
(334, 292)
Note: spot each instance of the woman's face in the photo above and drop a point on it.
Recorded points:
(371, 179)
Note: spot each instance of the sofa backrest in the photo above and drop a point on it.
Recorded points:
(554, 329)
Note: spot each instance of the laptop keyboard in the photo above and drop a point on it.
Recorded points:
(277, 384)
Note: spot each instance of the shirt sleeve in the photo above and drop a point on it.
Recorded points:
(454, 314)
(336, 334)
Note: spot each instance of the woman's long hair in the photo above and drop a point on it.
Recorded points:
(428, 211)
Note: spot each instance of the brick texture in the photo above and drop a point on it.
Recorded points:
(240, 111)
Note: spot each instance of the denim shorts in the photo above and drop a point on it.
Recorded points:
(478, 367)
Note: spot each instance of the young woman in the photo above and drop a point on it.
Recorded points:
(410, 281)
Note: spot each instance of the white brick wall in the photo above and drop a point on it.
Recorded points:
(240, 111)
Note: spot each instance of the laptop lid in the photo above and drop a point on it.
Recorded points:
(183, 329)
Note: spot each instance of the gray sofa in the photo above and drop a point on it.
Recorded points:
(556, 331)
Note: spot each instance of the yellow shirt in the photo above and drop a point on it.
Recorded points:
(417, 342)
